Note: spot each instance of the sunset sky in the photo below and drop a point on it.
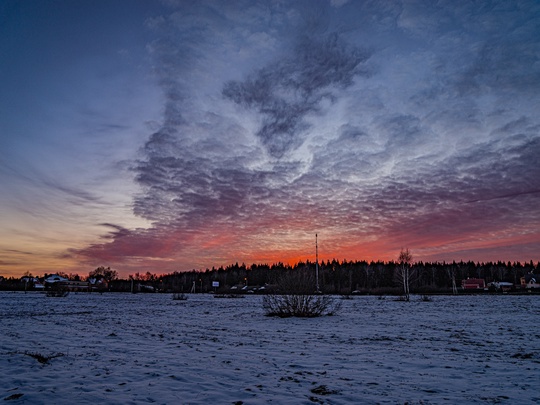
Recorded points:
(178, 135)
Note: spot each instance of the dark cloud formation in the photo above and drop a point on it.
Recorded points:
(272, 132)
(285, 92)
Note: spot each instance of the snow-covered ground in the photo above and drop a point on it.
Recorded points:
(148, 348)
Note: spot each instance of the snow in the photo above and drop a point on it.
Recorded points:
(149, 348)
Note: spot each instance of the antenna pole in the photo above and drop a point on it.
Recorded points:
(317, 263)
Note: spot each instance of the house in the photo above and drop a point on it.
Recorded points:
(55, 278)
(56, 282)
(500, 286)
(34, 282)
(530, 281)
(473, 284)
(97, 283)
(76, 285)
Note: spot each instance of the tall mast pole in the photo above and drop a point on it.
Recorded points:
(317, 263)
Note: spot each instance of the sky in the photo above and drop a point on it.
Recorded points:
(172, 135)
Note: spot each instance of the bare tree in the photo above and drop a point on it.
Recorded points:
(451, 271)
(405, 272)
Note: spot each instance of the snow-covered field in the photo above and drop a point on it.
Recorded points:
(148, 348)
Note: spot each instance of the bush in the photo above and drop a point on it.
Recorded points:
(295, 296)
(42, 358)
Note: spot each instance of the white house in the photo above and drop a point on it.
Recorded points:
(55, 278)
(530, 280)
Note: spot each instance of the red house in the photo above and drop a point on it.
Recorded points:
(473, 284)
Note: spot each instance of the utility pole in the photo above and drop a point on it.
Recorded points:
(317, 264)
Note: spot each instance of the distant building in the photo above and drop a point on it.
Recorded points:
(98, 283)
(530, 280)
(473, 284)
(55, 278)
(76, 285)
(500, 286)
(32, 282)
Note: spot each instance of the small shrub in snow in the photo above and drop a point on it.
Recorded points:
(42, 358)
(304, 306)
(296, 297)
(179, 297)
(323, 390)
(13, 396)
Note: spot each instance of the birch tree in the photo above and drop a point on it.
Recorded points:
(404, 272)
(451, 271)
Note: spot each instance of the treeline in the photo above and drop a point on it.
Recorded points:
(335, 277)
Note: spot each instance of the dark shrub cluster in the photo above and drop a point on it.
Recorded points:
(296, 296)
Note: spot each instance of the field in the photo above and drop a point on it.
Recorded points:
(148, 348)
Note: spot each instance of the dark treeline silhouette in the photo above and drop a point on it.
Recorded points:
(335, 277)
